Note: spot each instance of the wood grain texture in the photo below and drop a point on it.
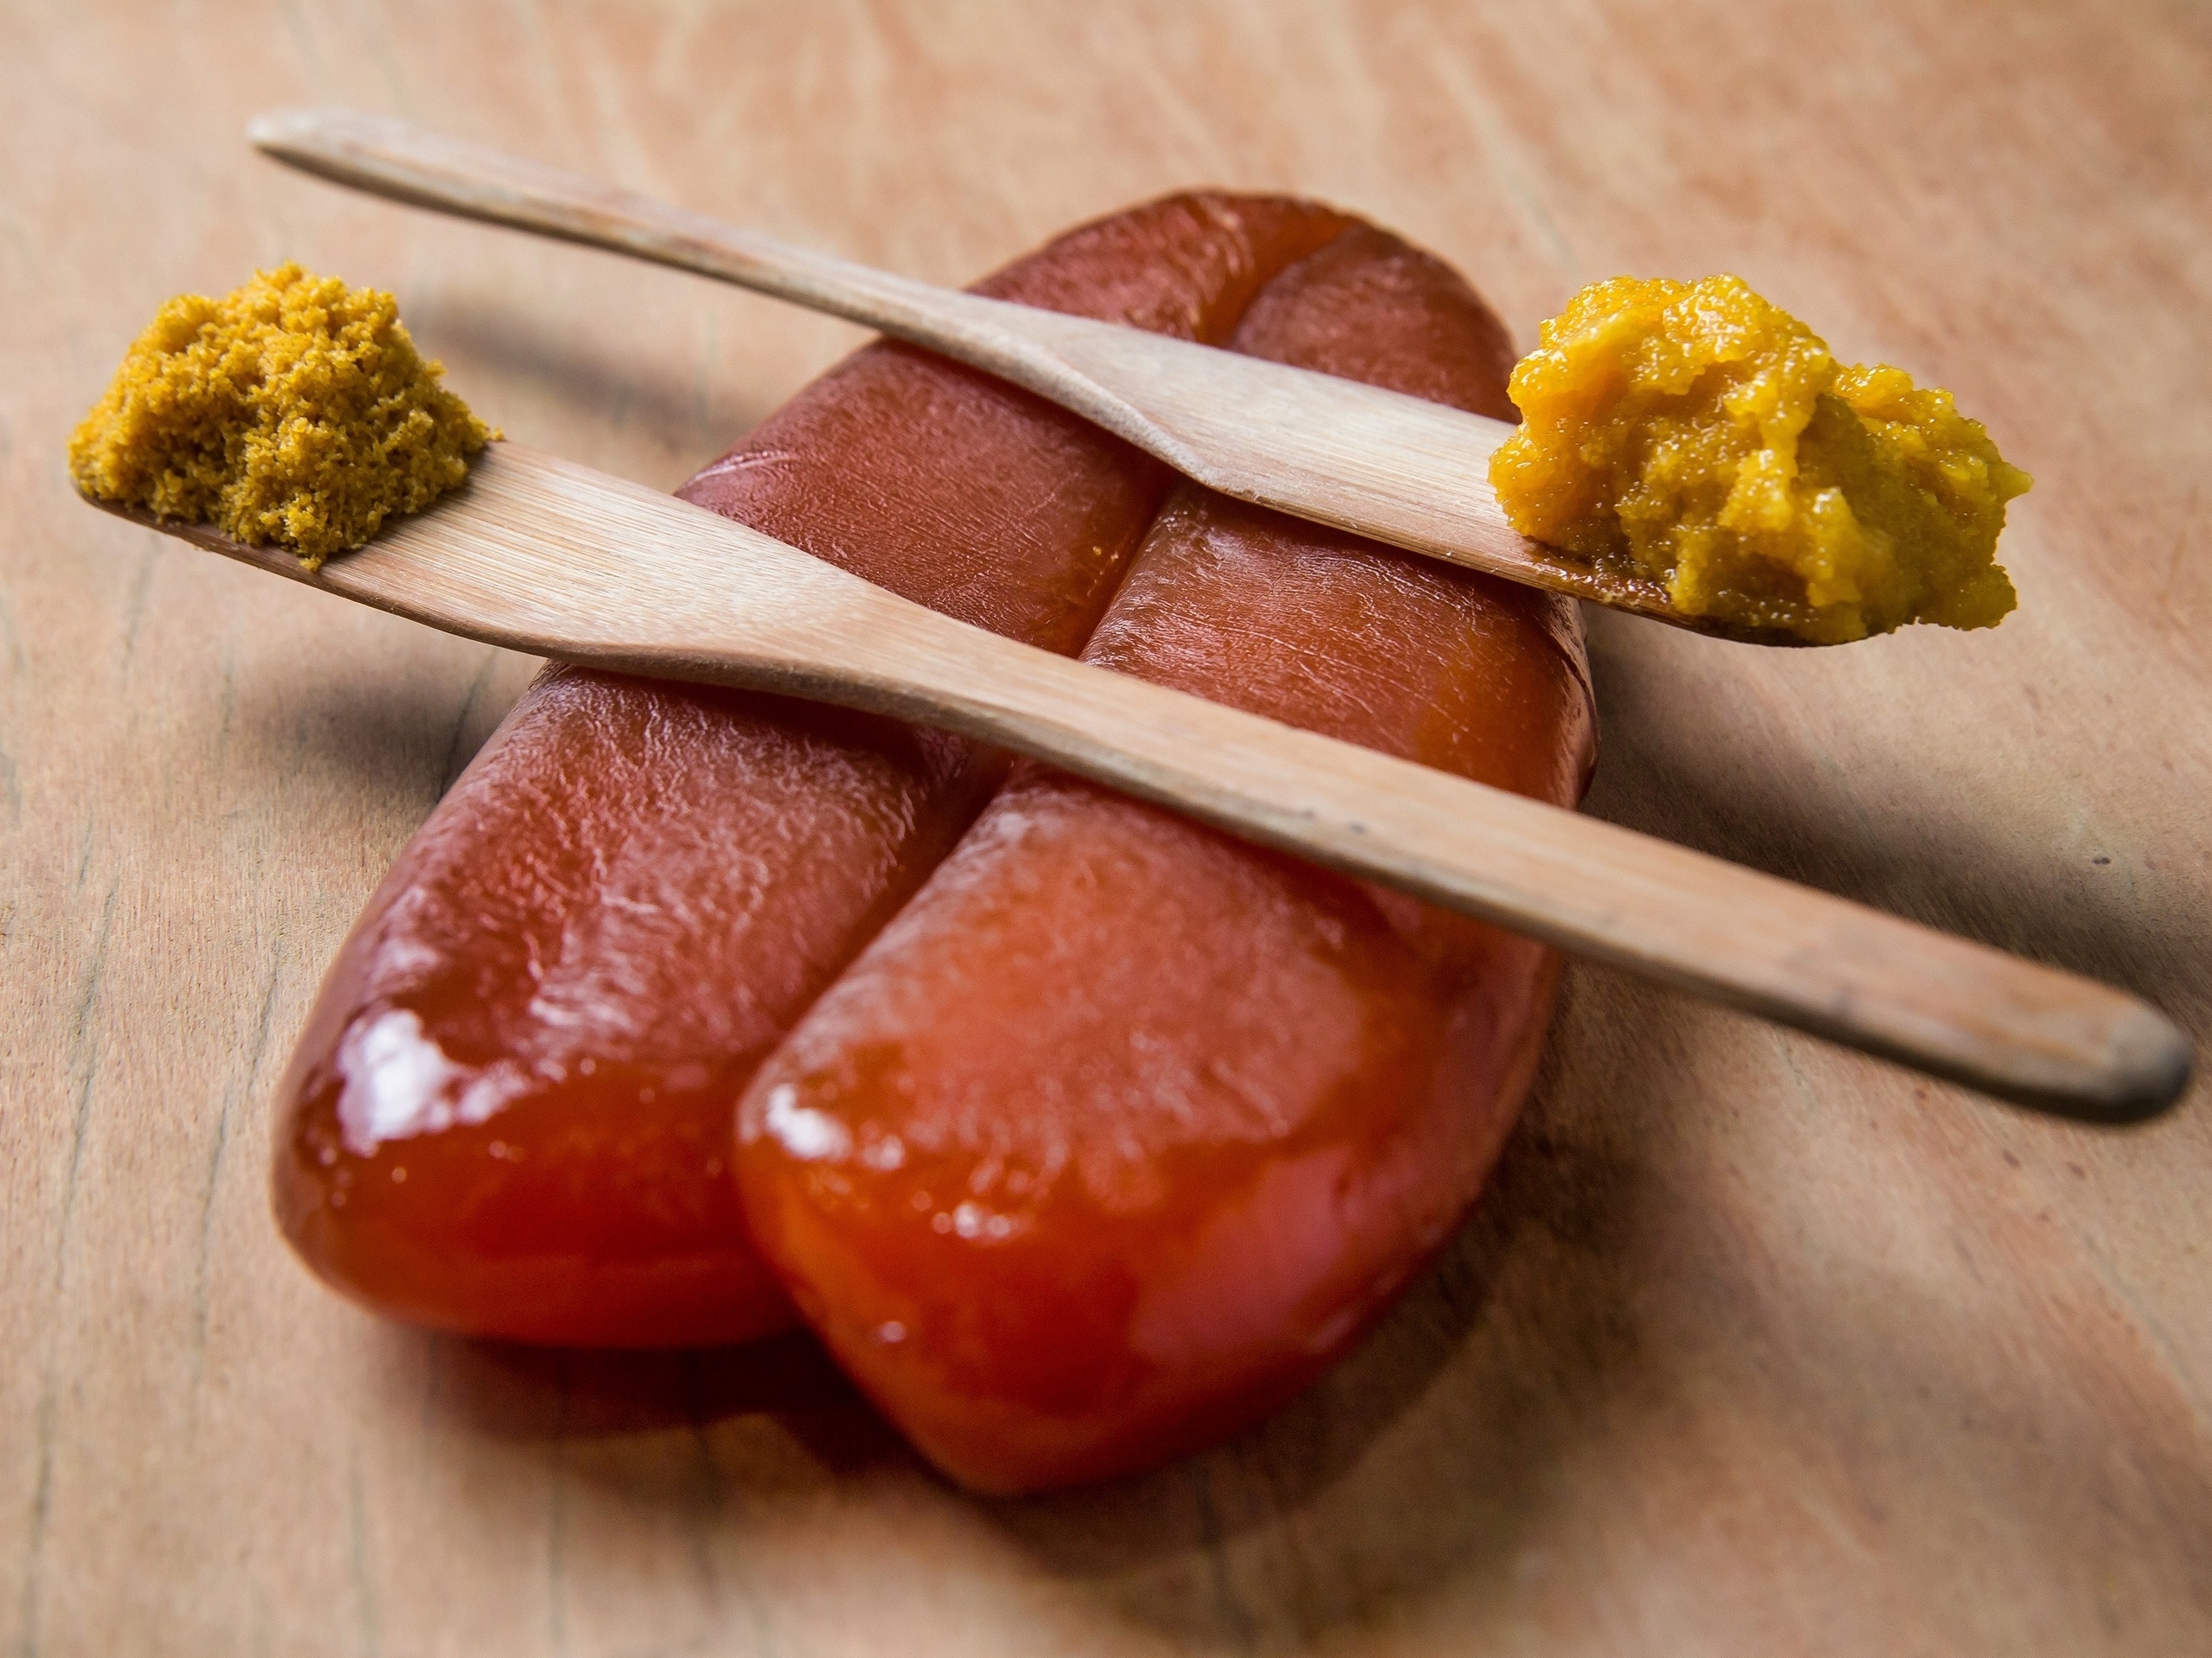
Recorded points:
(539, 554)
(1752, 1346)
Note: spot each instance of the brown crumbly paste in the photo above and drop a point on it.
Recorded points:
(296, 410)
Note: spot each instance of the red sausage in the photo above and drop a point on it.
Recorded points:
(1123, 1131)
(509, 1114)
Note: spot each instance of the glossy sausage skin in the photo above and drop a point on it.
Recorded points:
(1122, 1130)
(510, 1112)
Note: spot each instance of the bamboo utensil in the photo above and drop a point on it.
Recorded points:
(1397, 469)
(551, 558)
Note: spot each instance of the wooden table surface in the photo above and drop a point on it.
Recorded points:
(1752, 1346)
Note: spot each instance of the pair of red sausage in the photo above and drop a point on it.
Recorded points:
(1081, 1135)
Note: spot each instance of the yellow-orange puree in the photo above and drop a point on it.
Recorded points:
(1709, 437)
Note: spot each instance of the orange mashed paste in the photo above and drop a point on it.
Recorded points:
(296, 410)
(1709, 438)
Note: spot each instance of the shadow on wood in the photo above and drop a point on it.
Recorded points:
(1900, 844)
(614, 390)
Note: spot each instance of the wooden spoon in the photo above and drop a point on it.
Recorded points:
(547, 557)
(1397, 469)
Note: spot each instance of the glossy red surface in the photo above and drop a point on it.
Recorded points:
(1121, 1130)
(510, 1112)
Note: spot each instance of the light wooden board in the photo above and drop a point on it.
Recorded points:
(1754, 1345)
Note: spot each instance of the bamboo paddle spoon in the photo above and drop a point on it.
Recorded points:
(1393, 468)
(547, 557)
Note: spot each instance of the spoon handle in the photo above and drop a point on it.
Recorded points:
(1940, 1004)
(554, 559)
(1398, 469)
